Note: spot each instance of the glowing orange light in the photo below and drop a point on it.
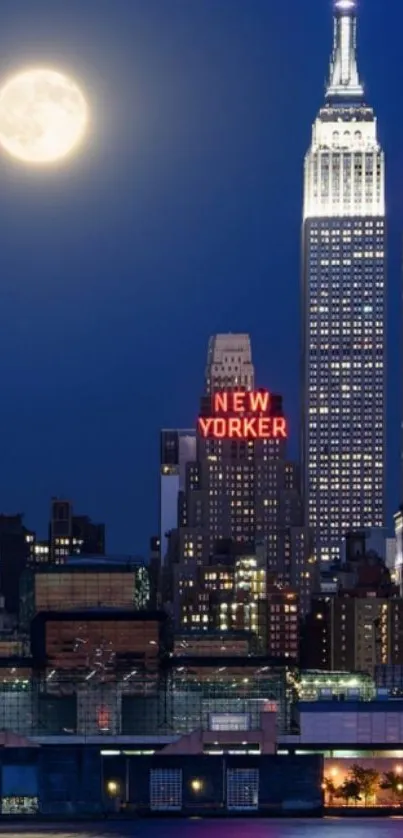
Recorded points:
(242, 415)
(103, 718)
(241, 402)
(256, 427)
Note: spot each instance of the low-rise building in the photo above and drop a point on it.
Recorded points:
(85, 582)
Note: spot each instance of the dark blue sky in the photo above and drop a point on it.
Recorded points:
(180, 219)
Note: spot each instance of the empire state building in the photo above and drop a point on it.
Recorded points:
(344, 299)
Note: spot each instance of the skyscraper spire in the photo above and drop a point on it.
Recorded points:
(344, 81)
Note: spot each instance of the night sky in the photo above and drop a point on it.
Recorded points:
(181, 218)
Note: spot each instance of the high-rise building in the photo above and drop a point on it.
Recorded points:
(282, 623)
(353, 633)
(241, 488)
(359, 626)
(398, 563)
(237, 595)
(178, 447)
(15, 550)
(344, 258)
(229, 594)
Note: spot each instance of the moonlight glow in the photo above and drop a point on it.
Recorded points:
(43, 116)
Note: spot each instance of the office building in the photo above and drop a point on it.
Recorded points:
(398, 569)
(39, 552)
(15, 550)
(344, 292)
(154, 569)
(237, 597)
(178, 447)
(360, 626)
(71, 534)
(283, 621)
(229, 594)
(390, 556)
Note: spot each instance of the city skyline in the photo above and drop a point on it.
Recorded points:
(212, 625)
(92, 305)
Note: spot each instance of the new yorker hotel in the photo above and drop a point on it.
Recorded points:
(241, 487)
(343, 422)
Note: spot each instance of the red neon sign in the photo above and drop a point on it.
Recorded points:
(241, 402)
(242, 415)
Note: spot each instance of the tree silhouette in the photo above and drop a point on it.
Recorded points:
(329, 789)
(393, 781)
(367, 780)
(350, 790)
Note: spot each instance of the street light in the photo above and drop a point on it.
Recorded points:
(112, 787)
(196, 785)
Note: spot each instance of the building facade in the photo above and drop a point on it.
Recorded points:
(84, 583)
(71, 534)
(229, 363)
(178, 447)
(398, 560)
(344, 259)
(357, 625)
(242, 493)
(354, 633)
(15, 552)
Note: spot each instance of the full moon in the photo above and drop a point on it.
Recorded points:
(43, 116)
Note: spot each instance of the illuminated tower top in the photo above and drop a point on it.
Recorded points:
(344, 167)
(344, 80)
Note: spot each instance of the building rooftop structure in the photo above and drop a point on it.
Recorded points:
(316, 685)
(340, 728)
(148, 698)
(109, 560)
